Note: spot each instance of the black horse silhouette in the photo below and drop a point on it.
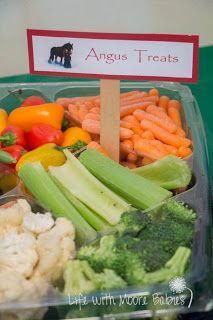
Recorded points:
(60, 52)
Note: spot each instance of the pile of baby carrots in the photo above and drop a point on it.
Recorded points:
(150, 125)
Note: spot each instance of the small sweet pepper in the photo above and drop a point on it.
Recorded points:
(16, 152)
(49, 113)
(3, 119)
(47, 154)
(13, 135)
(74, 134)
(43, 133)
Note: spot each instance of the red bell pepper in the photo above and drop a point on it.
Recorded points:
(32, 101)
(42, 134)
(13, 135)
(16, 152)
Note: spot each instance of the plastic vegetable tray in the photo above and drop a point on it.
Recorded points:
(198, 197)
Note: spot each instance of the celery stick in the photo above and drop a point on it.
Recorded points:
(90, 216)
(139, 191)
(84, 186)
(51, 198)
(169, 172)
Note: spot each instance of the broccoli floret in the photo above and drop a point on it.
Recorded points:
(175, 267)
(132, 223)
(108, 279)
(153, 255)
(101, 256)
(169, 234)
(79, 278)
(179, 211)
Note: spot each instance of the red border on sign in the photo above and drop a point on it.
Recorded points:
(115, 36)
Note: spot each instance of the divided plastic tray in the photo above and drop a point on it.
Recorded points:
(198, 197)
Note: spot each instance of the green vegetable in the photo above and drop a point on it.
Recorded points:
(51, 198)
(175, 267)
(5, 157)
(90, 216)
(138, 191)
(80, 278)
(132, 223)
(169, 172)
(78, 181)
(74, 147)
(143, 245)
(174, 226)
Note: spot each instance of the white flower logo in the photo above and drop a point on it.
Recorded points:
(178, 285)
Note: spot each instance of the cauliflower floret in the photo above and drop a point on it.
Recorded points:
(37, 222)
(18, 252)
(11, 215)
(24, 206)
(55, 247)
(13, 286)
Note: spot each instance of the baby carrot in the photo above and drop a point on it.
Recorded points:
(171, 149)
(153, 92)
(162, 109)
(129, 93)
(125, 133)
(174, 114)
(127, 110)
(126, 124)
(135, 138)
(129, 165)
(66, 101)
(136, 96)
(132, 157)
(180, 132)
(136, 127)
(174, 103)
(95, 110)
(82, 112)
(97, 146)
(126, 147)
(164, 123)
(164, 136)
(73, 113)
(144, 148)
(159, 145)
(93, 116)
(147, 135)
(146, 161)
(184, 152)
(97, 103)
(92, 126)
(163, 102)
(154, 99)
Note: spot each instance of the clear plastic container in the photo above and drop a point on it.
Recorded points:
(198, 197)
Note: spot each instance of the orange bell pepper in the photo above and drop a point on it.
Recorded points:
(48, 113)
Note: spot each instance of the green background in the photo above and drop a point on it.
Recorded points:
(201, 90)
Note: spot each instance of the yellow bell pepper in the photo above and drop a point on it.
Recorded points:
(47, 154)
(74, 134)
(3, 119)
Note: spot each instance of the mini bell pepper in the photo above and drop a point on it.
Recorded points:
(48, 113)
(74, 134)
(47, 154)
(41, 134)
(13, 135)
(15, 152)
(5, 157)
(3, 119)
(32, 101)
